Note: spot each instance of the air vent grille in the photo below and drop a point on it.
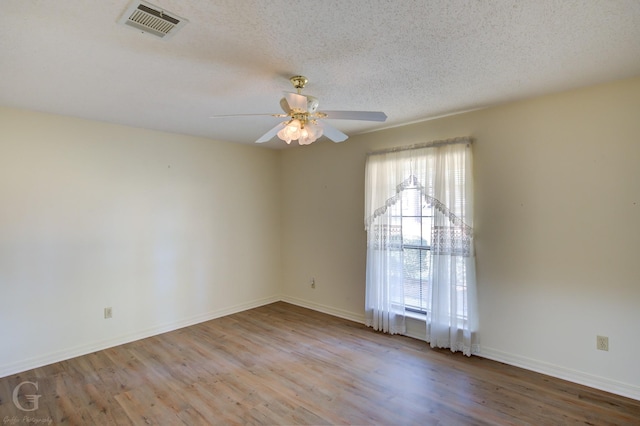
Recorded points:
(152, 19)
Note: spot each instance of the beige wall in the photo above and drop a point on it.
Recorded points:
(557, 208)
(167, 230)
(171, 230)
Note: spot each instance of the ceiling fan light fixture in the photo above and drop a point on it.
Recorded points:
(306, 137)
(313, 132)
(291, 131)
(305, 132)
(284, 135)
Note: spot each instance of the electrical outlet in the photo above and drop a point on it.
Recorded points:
(602, 343)
(313, 283)
(108, 313)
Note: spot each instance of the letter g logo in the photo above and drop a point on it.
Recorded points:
(33, 399)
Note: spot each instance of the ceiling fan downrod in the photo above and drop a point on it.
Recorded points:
(299, 81)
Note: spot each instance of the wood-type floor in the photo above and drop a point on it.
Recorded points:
(281, 364)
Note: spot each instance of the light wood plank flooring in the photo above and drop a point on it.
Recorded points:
(282, 364)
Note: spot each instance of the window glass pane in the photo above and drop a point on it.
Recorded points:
(411, 230)
(406, 204)
(411, 202)
(416, 264)
(426, 231)
(412, 264)
(461, 288)
(412, 278)
(425, 261)
(416, 236)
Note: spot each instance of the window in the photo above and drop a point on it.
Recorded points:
(414, 215)
(420, 257)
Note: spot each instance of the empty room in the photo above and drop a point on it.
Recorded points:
(301, 212)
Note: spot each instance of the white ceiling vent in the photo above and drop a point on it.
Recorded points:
(152, 19)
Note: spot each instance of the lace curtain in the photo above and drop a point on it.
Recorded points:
(442, 171)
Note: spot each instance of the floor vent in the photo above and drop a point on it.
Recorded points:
(152, 19)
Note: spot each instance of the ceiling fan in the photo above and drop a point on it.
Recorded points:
(303, 120)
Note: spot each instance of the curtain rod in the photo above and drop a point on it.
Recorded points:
(462, 139)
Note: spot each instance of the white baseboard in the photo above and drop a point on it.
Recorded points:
(50, 358)
(607, 385)
(340, 313)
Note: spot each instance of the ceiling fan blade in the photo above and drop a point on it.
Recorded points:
(285, 105)
(296, 101)
(248, 115)
(271, 133)
(356, 115)
(332, 133)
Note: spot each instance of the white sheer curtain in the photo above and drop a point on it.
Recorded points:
(385, 308)
(442, 171)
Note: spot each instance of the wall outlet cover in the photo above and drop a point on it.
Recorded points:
(602, 343)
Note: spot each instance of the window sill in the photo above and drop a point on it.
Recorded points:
(416, 316)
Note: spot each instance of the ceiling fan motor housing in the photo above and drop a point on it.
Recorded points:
(298, 81)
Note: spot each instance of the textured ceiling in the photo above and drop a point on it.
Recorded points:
(413, 60)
